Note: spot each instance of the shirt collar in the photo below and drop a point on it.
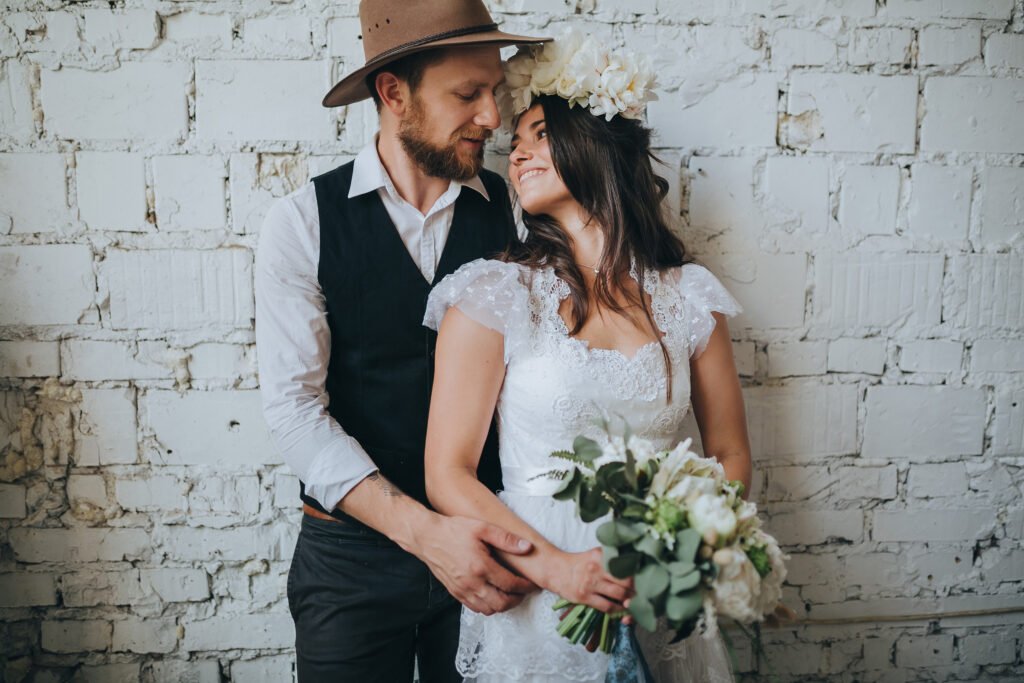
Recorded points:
(369, 174)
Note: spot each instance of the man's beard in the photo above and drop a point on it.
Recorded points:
(439, 161)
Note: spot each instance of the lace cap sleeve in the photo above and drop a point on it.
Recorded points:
(702, 295)
(489, 292)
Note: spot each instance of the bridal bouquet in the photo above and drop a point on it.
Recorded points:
(693, 546)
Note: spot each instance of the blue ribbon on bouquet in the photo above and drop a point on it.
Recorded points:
(627, 663)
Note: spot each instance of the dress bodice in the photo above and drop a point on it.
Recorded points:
(556, 387)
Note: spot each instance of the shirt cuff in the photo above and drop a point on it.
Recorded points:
(336, 471)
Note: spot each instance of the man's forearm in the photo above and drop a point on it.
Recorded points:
(381, 505)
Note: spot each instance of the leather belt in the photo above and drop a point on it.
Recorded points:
(313, 512)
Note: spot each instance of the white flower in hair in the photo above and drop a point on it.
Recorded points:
(580, 69)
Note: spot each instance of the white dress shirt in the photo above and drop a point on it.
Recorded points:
(293, 340)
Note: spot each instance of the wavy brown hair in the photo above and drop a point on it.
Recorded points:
(606, 166)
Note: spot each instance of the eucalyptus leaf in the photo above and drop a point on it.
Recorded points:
(649, 545)
(680, 568)
(587, 449)
(592, 505)
(570, 486)
(643, 611)
(651, 581)
(684, 582)
(687, 543)
(682, 607)
(624, 566)
(618, 533)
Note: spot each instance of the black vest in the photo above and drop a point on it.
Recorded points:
(382, 358)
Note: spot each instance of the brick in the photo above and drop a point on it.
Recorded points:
(738, 113)
(262, 100)
(1004, 567)
(195, 671)
(145, 635)
(940, 480)
(972, 114)
(797, 483)
(262, 670)
(798, 193)
(989, 292)
(723, 212)
(803, 422)
(208, 427)
(95, 361)
(869, 199)
(144, 100)
(195, 289)
(239, 494)
(286, 491)
(112, 190)
(237, 544)
(163, 493)
(342, 41)
(913, 421)
(867, 482)
(89, 489)
(286, 36)
(880, 46)
(131, 29)
(17, 119)
(257, 180)
(177, 585)
(29, 359)
(931, 355)
(76, 636)
(1002, 205)
(1004, 50)
(33, 193)
(937, 45)
(788, 359)
(771, 288)
(819, 8)
(988, 648)
(823, 113)
(107, 430)
(813, 527)
(938, 568)
(797, 47)
(873, 571)
(795, 659)
(861, 290)
(923, 651)
(932, 525)
(743, 355)
(950, 9)
(96, 588)
(210, 30)
(31, 274)
(804, 569)
(27, 589)
(79, 545)
(997, 355)
(257, 631)
(12, 408)
(190, 192)
(1008, 423)
(216, 361)
(940, 202)
(857, 355)
(108, 673)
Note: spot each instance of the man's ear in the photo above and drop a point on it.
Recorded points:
(393, 92)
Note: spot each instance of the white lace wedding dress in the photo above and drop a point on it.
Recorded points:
(555, 387)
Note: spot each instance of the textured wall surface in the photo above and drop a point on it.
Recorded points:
(852, 169)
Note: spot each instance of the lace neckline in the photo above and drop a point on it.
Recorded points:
(559, 291)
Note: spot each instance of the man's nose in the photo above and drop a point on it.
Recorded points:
(488, 116)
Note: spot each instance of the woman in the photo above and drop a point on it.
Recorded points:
(597, 313)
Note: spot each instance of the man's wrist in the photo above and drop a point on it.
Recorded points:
(409, 532)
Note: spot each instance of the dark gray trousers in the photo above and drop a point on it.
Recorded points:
(364, 609)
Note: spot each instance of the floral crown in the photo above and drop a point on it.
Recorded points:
(584, 72)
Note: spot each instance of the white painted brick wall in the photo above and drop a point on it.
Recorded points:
(853, 170)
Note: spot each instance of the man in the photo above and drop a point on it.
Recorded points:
(343, 271)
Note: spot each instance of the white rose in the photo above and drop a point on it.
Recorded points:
(710, 513)
(643, 450)
(737, 588)
(689, 488)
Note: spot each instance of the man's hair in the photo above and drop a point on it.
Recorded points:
(409, 68)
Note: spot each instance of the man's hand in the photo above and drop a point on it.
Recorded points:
(457, 550)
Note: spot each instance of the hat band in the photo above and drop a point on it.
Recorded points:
(429, 39)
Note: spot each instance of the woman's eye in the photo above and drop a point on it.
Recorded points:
(541, 134)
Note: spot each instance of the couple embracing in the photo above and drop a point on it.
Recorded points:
(419, 359)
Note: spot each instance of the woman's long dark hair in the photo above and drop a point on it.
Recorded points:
(606, 165)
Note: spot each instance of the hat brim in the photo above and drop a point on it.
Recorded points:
(353, 88)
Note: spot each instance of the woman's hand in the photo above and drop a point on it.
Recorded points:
(580, 577)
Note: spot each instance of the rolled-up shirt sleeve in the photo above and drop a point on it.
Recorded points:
(293, 344)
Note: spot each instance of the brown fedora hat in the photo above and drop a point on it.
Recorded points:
(396, 28)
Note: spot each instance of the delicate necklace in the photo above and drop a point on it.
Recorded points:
(593, 267)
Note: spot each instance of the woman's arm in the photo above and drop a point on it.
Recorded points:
(718, 405)
(469, 371)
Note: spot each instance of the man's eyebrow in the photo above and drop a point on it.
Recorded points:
(480, 84)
